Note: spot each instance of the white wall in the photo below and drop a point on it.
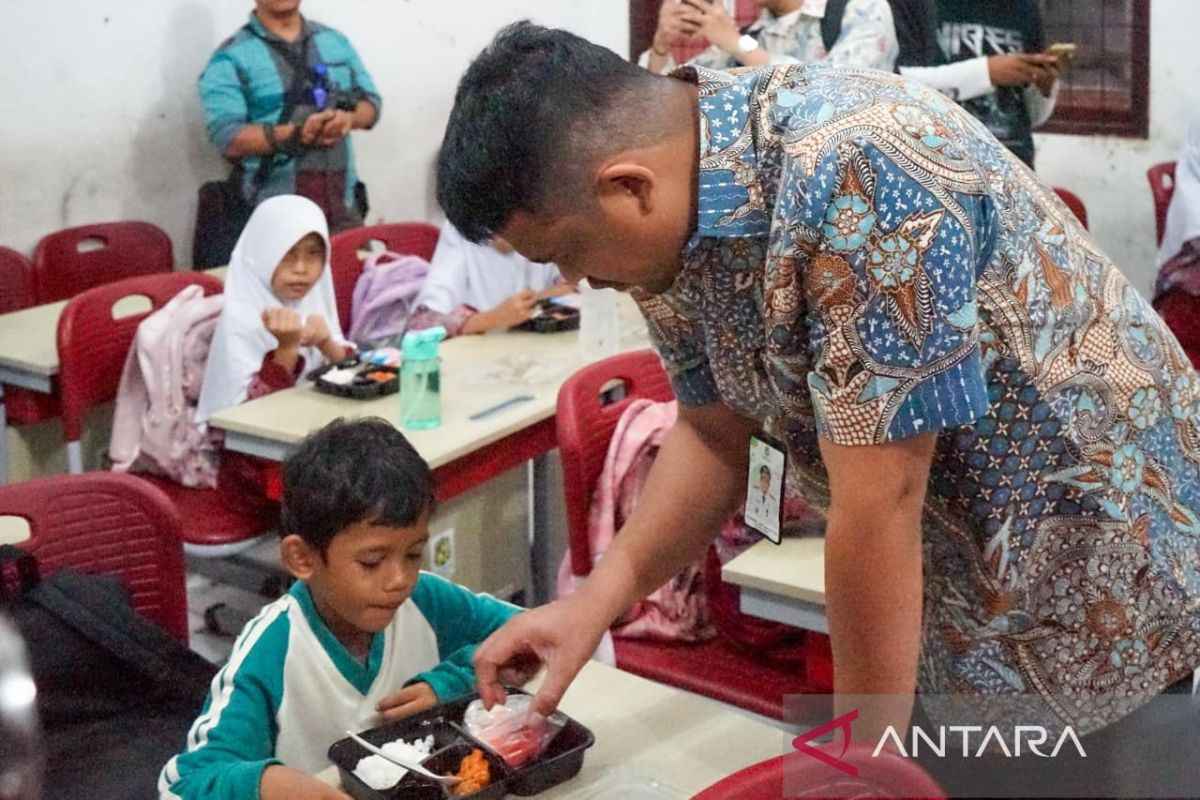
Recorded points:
(1109, 174)
(102, 121)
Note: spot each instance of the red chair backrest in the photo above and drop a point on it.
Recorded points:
(1162, 187)
(887, 775)
(76, 259)
(1072, 201)
(16, 281)
(109, 524)
(585, 427)
(92, 344)
(406, 238)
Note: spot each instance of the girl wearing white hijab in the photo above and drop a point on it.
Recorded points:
(1183, 217)
(280, 316)
(475, 288)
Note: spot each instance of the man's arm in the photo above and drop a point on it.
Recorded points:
(693, 487)
(873, 582)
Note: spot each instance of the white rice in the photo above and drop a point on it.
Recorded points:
(379, 773)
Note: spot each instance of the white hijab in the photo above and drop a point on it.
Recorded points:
(478, 275)
(1183, 217)
(241, 341)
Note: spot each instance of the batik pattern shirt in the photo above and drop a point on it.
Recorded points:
(871, 264)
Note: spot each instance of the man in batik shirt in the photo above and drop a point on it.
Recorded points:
(855, 259)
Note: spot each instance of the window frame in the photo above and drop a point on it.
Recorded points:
(1079, 119)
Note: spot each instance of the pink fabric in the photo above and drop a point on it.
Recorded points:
(677, 610)
(153, 423)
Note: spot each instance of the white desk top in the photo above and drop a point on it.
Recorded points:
(646, 732)
(28, 338)
(477, 373)
(794, 569)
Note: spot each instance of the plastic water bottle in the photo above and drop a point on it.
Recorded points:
(599, 322)
(21, 752)
(421, 379)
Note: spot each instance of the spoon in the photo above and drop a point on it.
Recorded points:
(448, 780)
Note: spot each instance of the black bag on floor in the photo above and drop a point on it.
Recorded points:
(221, 213)
(116, 693)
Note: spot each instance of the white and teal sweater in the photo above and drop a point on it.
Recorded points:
(291, 689)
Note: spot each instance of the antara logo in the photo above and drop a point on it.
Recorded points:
(1031, 736)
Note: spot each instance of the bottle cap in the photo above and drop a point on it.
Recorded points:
(421, 345)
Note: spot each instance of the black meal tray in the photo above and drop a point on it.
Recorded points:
(553, 319)
(362, 388)
(562, 760)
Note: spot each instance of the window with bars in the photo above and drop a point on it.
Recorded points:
(1106, 90)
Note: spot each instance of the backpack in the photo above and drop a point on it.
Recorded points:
(154, 428)
(116, 693)
(385, 295)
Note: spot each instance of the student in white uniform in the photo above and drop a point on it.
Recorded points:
(476, 288)
(361, 638)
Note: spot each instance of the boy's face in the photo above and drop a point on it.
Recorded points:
(764, 482)
(366, 574)
(300, 269)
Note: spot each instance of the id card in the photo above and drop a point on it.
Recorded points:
(764, 487)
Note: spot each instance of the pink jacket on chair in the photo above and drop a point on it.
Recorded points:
(153, 422)
(677, 611)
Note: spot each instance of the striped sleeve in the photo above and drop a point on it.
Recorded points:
(461, 620)
(233, 739)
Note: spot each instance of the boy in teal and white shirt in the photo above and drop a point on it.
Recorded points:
(361, 638)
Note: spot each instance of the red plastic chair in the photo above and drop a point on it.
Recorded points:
(107, 524)
(76, 259)
(21, 406)
(92, 347)
(886, 776)
(715, 669)
(1072, 201)
(406, 238)
(1162, 187)
(16, 281)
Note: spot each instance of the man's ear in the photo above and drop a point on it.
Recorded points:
(626, 188)
(298, 556)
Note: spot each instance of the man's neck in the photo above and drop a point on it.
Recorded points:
(286, 26)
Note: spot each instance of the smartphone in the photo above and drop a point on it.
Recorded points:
(1064, 51)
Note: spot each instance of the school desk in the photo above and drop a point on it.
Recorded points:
(648, 732)
(29, 356)
(478, 374)
(784, 582)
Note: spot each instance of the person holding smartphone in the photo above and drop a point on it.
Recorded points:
(851, 32)
(996, 67)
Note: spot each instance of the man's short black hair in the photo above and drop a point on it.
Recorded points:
(349, 472)
(528, 95)
(764, 470)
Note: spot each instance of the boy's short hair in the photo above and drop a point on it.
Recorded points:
(349, 472)
(764, 471)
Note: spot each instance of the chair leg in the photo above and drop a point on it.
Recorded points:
(74, 457)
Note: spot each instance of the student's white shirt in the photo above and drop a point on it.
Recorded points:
(1183, 217)
(478, 275)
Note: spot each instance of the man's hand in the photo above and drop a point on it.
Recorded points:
(671, 27)
(713, 22)
(873, 579)
(335, 129)
(1023, 69)
(314, 124)
(285, 325)
(284, 783)
(408, 701)
(562, 635)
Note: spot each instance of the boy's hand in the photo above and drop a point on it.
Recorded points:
(285, 325)
(516, 309)
(406, 702)
(1022, 69)
(284, 783)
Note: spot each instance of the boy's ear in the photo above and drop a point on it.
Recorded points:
(298, 556)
